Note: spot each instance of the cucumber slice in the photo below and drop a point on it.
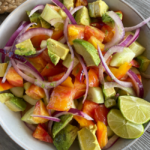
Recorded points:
(29, 100)
(43, 44)
(17, 91)
(110, 103)
(27, 85)
(109, 93)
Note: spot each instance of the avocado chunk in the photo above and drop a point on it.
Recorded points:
(5, 97)
(27, 116)
(144, 63)
(120, 58)
(87, 51)
(120, 15)
(30, 100)
(97, 8)
(127, 91)
(82, 16)
(58, 126)
(110, 103)
(25, 48)
(17, 91)
(16, 104)
(54, 58)
(68, 61)
(95, 94)
(68, 4)
(63, 14)
(65, 138)
(87, 138)
(3, 67)
(109, 93)
(44, 23)
(57, 48)
(49, 13)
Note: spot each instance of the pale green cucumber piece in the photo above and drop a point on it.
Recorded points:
(134, 109)
(127, 91)
(5, 97)
(68, 4)
(110, 103)
(118, 59)
(27, 85)
(87, 51)
(43, 44)
(3, 67)
(29, 100)
(17, 91)
(95, 94)
(68, 61)
(110, 133)
(109, 93)
(122, 127)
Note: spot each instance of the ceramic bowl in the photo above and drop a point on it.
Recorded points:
(11, 122)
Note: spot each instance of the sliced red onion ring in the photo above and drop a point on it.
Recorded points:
(128, 29)
(146, 76)
(8, 67)
(135, 37)
(62, 40)
(30, 126)
(126, 40)
(124, 84)
(137, 82)
(108, 85)
(56, 20)
(86, 75)
(47, 117)
(111, 142)
(59, 4)
(101, 74)
(36, 8)
(119, 30)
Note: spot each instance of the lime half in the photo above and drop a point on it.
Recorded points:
(122, 127)
(134, 109)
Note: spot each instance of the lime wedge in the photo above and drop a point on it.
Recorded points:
(135, 110)
(122, 127)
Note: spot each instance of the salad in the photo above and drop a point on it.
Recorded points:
(73, 71)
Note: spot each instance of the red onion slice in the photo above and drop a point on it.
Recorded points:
(128, 29)
(137, 82)
(111, 142)
(146, 76)
(36, 8)
(86, 75)
(101, 74)
(119, 30)
(47, 117)
(126, 41)
(30, 126)
(62, 40)
(56, 20)
(124, 84)
(59, 4)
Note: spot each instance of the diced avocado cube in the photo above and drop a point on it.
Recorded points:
(65, 138)
(137, 48)
(87, 138)
(25, 48)
(120, 15)
(110, 103)
(127, 91)
(5, 97)
(95, 94)
(3, 67)
(110, 133)
(49, 13)
(82, 16)
(63, 14)
(68, 61)
(17, 91)
(27, 116)
(144, 63)
(27, 85)
(91, 10)
(29, 100)
(44, 23)
(109, 93)
(120, 58)
(68, 4)
(54, 58)
(16, 104)
(58, 126)
(58, 48)
(87, 51)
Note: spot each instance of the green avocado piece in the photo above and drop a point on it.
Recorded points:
(87, 138)
(44, 23)
(25, 48)
(63, 14)
(87, 51)
(54, 58)
(57, 48)
(65, 138)
(68, 4)
(49, 13)
(58, 126)
(109, 93)
(110, 103)
(17, 91)
(3, 67)
(126, 91)
(5, 97)
(82, 16)
(120, 15)
(16, 104)
(144, 63)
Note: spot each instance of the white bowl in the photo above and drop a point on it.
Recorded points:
(11, 122)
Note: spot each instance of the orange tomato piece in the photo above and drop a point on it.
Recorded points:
(57, 34)
(56, 77)
(81, 2)
(45, 56)
(101, 134)
(14, 78)
(41, 134)
(61, 98)
(135, 63)
(5, 86)
(54, 7)
(68, 83)
(35, 92)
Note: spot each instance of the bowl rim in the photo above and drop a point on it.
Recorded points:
(12, 136)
